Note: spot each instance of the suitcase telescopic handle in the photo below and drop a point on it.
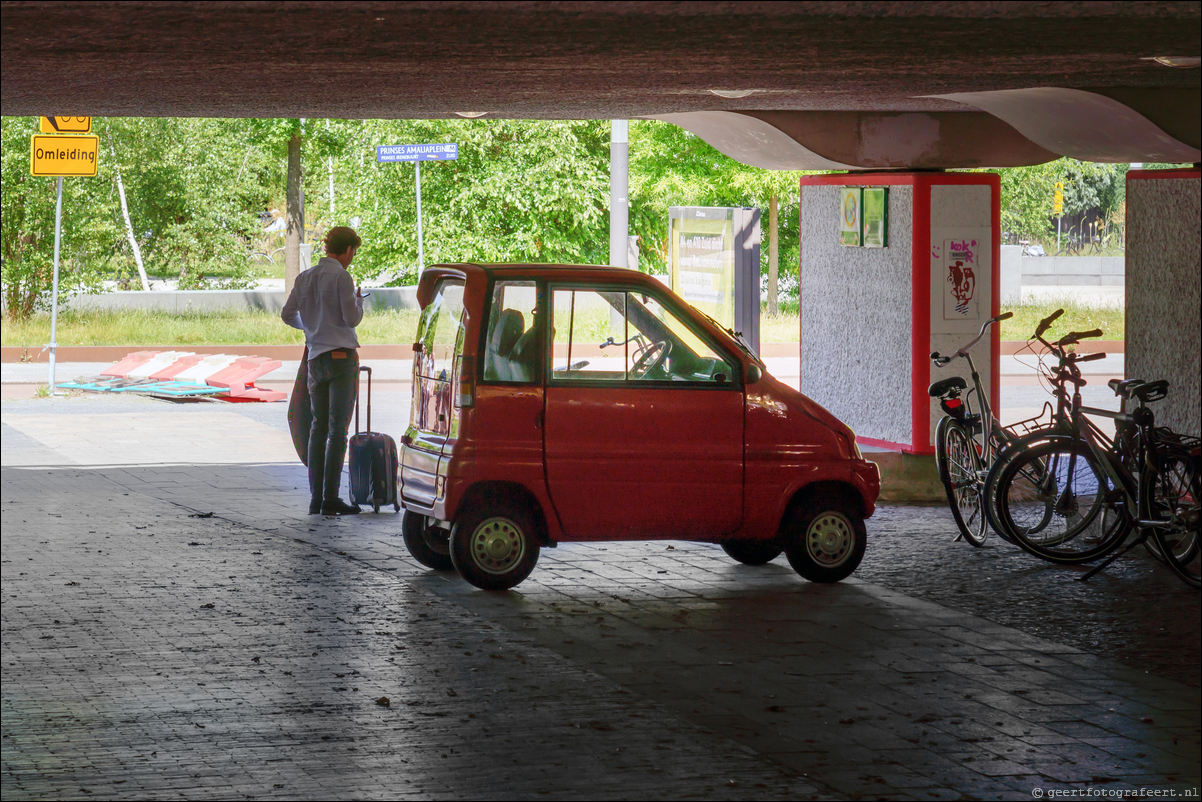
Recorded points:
(361, 369)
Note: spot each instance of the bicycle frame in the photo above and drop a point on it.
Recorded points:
(988, 434)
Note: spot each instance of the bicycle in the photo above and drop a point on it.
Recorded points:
(966, 441)
(1069, 494)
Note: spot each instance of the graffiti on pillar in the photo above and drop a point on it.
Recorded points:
(960, 301)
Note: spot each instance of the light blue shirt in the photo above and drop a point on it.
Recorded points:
(323, 303)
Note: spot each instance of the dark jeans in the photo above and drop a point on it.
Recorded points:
(333, 384)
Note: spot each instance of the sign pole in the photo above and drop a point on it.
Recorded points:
(445, 151)
(421, 256)
(58, 232)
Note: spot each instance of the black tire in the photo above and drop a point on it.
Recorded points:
(752, 552)
(1031, 472)
(1057, 503)
(429, 545)
(825, 539)
(1174, 496)
(494, 544)
(959, 465)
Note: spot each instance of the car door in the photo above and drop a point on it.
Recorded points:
(643, 429)
(434, 419)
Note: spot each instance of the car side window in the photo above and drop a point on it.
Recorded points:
(511, 349)
(440, 331)
(618, 336)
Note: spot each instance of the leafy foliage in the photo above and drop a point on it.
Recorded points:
(522, 190)
(1027, 194)
(27, 238)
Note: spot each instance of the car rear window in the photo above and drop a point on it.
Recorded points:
(441, 331)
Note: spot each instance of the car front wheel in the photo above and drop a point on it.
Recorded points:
(825, 539)
(494, 546)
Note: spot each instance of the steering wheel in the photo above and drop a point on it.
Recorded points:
(651, 357)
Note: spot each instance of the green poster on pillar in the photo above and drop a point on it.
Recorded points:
(876, 217)
(849, 216)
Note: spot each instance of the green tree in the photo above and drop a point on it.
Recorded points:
(521, 190)
(670, 166)
(27, 238)
(192, 209)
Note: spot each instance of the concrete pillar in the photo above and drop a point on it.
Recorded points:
(1163, 272)
(871, 316)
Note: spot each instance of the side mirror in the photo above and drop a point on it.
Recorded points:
(754, 373)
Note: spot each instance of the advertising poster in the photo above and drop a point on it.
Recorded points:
(849, 216)
(961, 267)
(876, 217)
(703, 264)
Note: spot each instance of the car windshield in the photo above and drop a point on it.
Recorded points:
(737, 336)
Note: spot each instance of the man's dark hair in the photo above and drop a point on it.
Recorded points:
(340, 239)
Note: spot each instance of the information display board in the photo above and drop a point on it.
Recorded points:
(714, 264)
(850, 219)
(875, 211)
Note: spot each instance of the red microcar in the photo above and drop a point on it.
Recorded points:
(560, 403)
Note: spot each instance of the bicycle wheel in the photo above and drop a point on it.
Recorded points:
(1032, 473)
(1174, 497)
(1058, 504)
(959, 464)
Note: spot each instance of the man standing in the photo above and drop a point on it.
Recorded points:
(326, 305)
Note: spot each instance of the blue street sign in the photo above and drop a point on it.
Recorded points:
(448, 151)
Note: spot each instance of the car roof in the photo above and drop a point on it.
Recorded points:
(542, 270)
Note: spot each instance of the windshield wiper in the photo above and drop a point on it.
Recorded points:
(737, 336)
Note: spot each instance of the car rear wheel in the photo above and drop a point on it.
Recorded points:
(752, 552)
(493, 545)
(429, 545)
(825, 539)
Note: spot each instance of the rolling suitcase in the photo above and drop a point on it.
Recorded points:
(373, 462)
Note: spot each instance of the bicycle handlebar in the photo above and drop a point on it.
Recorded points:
(1077, 336)
(963, 352)
(1047, 322)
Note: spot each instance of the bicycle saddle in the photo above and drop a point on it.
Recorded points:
(948, 385)
(1122, 388)
(1150, 391)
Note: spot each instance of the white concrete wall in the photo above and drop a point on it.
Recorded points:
(1011, 291)
(961, 212)
(1074, 271)
(1164, 270)
(855, 317)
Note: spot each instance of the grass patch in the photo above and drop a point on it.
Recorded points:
(1077, 317)
(141, 327)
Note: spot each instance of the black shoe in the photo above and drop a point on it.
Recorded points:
(315, 507)
(336, 506)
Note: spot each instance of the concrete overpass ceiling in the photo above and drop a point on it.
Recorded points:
(843, 81)
(850, 140)
(1085, 125)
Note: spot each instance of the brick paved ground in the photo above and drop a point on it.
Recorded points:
(616, 671)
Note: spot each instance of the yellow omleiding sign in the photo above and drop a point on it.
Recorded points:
(63, 155)
(1058, 198)
(66, 125)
